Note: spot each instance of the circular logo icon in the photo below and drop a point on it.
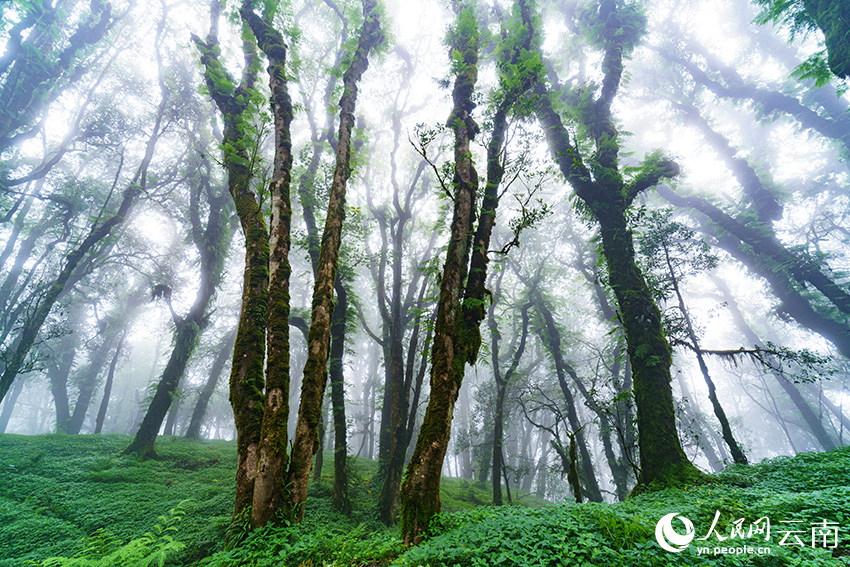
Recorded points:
(670, 539)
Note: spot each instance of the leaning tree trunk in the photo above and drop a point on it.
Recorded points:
(211, 241)
(188, 333)
(551, 338)
(225, 351)
(608, 198)
(107, 388)
(420, 491)
(737, 453)
(32, 324)
(315, 370)
(812, 420)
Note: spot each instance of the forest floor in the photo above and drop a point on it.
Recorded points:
(75, 497)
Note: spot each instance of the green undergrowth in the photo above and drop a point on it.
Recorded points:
(802, 491)
(60, 493)
(76, 500)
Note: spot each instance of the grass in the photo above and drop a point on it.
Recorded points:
(72, 496)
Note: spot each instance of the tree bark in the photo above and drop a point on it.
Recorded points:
(315, 371)
(269, 497)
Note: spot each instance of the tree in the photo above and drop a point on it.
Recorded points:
(671, 250)
(107, 222)
(224, 352)
(236, 102)
(420, 491)
(502, 383)
(607, 197)
(211, 239)
(832, 17)
(269, 495)
(463, 296)
(315, 371)
(36, 68)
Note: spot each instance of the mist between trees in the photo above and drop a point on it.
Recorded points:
(574, 248)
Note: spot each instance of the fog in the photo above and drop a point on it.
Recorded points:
(743, 244)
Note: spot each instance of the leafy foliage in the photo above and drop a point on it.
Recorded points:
(62, 487)
(808, 487)
(58, 490)
(152, 548)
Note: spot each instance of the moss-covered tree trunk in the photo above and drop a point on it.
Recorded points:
(662, 457)
(246, 375)
(462, 300)
(270, 498)
(420, 491)
(315, 369)
(608, 198)
(342, 502)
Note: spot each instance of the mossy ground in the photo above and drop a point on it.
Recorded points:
(58, 491)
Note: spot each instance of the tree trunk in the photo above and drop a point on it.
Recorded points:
(737, 453)
(342, 503)
(188, 333)
(225, 352)
(269, 497)
(107, 388)
(9, 405)
(608, 198)
(551, 338)
(420, 491)
(247, 379)
(812, 420)
(32, 324)
(315, 371)
(501, 391)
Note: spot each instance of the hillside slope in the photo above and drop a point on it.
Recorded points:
(76, 496)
